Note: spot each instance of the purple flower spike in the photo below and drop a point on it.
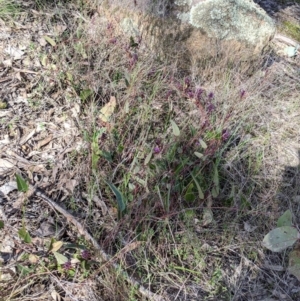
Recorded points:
(85, 254)
(210, 108)
(211, 95)
(190, 94)
(198, 93)
(187, 81)
(156, 150)
(243, 93)
(225, 135)
(67, 265)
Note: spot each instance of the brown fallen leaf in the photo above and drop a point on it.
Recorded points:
(108, 109)
(6, 165)
(43, 142)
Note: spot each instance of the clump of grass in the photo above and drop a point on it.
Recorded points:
(176, 158)
(292, 29)
(8, 8)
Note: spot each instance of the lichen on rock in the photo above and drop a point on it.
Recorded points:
(232, 20)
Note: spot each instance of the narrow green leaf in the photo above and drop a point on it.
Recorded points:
(216, 188)
(215, 192)
(21, 184)
(216, 175)
(50, 41)
(285, 219)
(175, 128)
(189, 195)
(61, 259)
(1, 224)
(280, 238)
(148, 158)
(200, 192)
(119, 196)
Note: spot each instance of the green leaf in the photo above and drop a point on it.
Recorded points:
(175, 128)
(120, 199)
(61, 259)
(56, 246)
(214, 192)
(85, 94)
(285, 219)
(207, 216)
(203, 144)
(23, 270)
(1, 224)
(281, 238)
(294, 263)
(74, 246)
(69, 76)
(21, 184)
(216, 176)
(199, 155)
(189, 195)
(216, 188)
(148, 158)
(200, 192)
(23, 234)
(50, 41)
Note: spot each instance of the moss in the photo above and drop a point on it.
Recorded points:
(292, 29)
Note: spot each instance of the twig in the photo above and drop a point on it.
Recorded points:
(103, 255)
(26, 71)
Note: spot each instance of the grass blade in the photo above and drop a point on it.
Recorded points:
(120, 199)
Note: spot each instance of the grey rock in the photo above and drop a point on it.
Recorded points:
(197, 28)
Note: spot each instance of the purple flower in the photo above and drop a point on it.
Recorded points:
(198, 94)
(210, 108)
(134, 59)
(67, 265)
(109, 26)
(211, 95)
(243, 93)
(156, 150)
(190, 94)
(187, 81)
(85, 254)
(225, 135)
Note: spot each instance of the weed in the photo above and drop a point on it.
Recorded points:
(292, 29)
(8, 8)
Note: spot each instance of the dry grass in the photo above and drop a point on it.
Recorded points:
(247, 115)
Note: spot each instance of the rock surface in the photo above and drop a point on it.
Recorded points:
(195, 28)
